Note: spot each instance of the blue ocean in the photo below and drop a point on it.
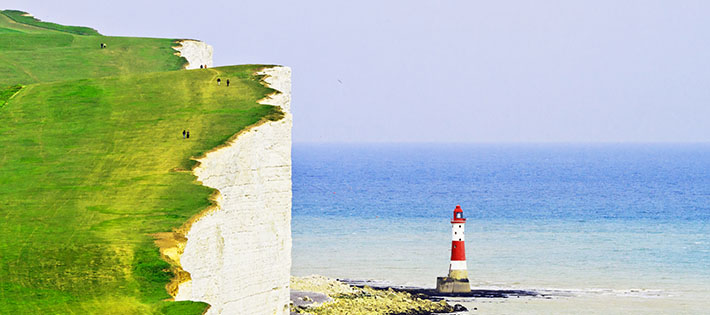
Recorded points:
(618, 217)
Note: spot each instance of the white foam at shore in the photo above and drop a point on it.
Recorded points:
(547, 291)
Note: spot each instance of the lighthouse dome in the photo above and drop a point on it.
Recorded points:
(458, 215)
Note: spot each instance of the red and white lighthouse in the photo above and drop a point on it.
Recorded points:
(457, 281)
(457, 267)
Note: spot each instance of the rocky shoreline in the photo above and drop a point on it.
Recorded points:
(318, 295)
(433, 295)
(321, 295)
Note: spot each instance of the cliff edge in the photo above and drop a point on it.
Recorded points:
(95, 128)
(238, 253)
(196, 53)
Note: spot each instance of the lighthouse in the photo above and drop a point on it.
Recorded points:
(457, 281)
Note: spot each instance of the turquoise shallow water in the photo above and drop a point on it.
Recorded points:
(577, 217)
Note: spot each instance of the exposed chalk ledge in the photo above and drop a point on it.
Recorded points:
(196, 52)
(239, 253)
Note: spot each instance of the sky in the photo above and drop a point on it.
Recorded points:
(451, 71)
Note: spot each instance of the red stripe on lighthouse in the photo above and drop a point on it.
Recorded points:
(458, 252)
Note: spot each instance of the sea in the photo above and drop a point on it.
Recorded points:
(606, 221)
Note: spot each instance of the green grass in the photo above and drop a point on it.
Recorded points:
(45, 57)
(8, 92)
(92, 162)
(21, 17)
(86, 175)
(32, 54)
(8, 30)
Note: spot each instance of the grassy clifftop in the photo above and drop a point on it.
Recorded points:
(92, 163)
(25, 18)
(32, 54)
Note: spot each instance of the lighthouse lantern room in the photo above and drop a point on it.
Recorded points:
(457, 280)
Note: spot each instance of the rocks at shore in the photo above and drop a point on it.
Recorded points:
(434, 295)
(308, 298)
(316, 283)
(460, 308)
(346, 299)
(321, 295)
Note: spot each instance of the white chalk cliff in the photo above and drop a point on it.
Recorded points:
(196, 52)
(238, 254)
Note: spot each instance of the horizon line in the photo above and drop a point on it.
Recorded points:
(513, 142)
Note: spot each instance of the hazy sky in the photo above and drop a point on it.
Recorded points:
(451, 71)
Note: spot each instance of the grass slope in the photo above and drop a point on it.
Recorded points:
(25, 18)
(88, 172)
(91, 167)
(29, 54)
(9, 92)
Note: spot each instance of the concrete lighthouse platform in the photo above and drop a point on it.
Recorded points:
(452, 285)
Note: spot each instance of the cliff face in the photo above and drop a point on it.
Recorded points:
(239, 253)
(196, 52)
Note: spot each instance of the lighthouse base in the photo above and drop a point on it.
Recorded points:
(451, 285)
